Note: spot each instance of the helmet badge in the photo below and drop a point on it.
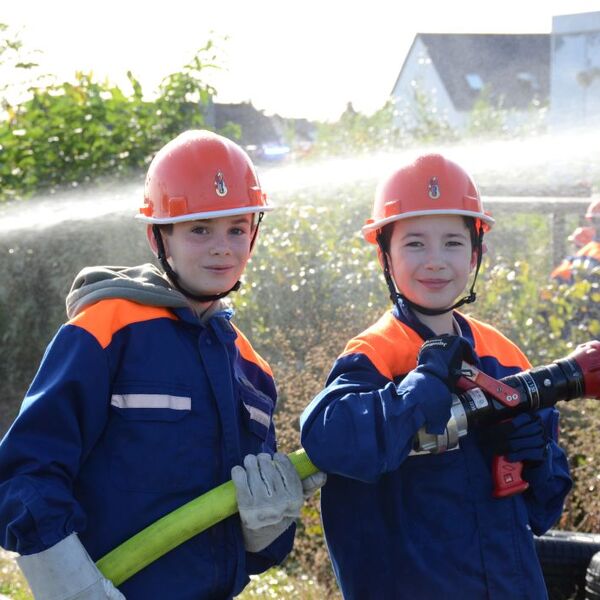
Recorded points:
(433, 189)
(220, 186)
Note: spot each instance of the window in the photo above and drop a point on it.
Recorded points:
(474, 81)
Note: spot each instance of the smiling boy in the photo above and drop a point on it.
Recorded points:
(403, 524)
(148, 397)
(210, 254)
(433, 257)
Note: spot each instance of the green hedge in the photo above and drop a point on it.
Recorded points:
(75, 132)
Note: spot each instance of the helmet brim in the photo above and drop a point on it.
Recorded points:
(370, 230)
(215, 214)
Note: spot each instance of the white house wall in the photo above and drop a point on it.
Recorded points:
(419, 72)
(575, 71)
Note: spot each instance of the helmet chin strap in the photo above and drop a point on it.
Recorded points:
(174, 277)
(395, 295)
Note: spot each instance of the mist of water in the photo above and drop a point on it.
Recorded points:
(542, 165)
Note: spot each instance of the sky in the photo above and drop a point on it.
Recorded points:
(303, 59)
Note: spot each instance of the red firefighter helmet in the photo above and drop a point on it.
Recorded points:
(200, 175)
(582, 236)
(593, 210)
(431, 185)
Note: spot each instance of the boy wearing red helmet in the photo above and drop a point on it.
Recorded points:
(581, 236)
(149, 397)
(407, 524)
(587, 241)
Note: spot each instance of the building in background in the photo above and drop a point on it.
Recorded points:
(452, 71)
(266, 138)
(575, 71)
(518, 73)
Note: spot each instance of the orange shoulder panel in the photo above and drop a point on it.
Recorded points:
(104, 318)
(563, 271)
(248, 352)
(389, 345)
(490, 342)
(591, 249)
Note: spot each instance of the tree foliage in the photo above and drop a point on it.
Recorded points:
(402, 124)
(18, 66)
(70, 132)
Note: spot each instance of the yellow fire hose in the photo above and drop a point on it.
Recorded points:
(179, 526)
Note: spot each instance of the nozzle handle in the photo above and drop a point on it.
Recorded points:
(587, 357)
(507, 477)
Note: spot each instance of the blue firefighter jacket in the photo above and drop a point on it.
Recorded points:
(584, 262)
(422, 526)
(136, 410)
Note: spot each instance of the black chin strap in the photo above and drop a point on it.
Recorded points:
(174, 277)
(395, 295)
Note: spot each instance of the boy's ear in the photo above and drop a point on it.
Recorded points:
(474, 255)
(380, 258)
(254, 232)
(253, 237)
(152, 241)
(473, 260)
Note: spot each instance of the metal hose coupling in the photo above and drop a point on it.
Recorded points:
(457, 427)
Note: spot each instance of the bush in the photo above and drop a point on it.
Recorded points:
(72, 132)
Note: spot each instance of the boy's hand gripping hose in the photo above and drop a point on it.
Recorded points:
(179, 526)
(486, 401)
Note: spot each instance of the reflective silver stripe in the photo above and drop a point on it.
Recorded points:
(151, 401)
(421, 452)
(258, 415)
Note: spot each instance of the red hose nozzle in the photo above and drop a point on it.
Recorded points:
(587, 357)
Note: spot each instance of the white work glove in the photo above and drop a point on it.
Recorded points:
(269, 496)
(312, 483)
(65, 571)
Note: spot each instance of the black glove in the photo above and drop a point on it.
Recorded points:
(443, 356)
(522, 439)
(431, 382)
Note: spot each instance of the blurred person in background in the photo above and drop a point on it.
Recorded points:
(585, 262)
